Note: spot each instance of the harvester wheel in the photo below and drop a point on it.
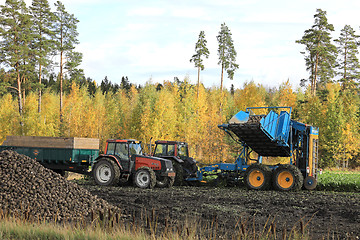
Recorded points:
(179, 171)
(106, 172)
(287, 178)
(310, 183)
(258, 177)
(145, 178)
(165, 182)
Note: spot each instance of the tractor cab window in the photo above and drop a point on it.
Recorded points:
(171, 150)
(182, 151)
(135, 148)
(121, 150)
(160, 150)
(110, 148)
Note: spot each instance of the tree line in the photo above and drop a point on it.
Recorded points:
(37, 100)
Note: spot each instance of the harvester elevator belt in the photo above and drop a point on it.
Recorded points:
(256, 138)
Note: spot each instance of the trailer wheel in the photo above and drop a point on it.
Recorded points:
(165, 182)
(287, 178)
(179, 173)
(145, 178)
(258, 177)
(106, 172)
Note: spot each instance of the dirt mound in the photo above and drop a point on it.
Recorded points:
(29, 189)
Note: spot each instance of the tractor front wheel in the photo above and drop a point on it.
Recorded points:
(287, 178)
(145, 178)
(106, 172)
(258, 177)
(165, 182)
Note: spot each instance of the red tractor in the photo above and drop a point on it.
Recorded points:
(123, 160)
(178, 152)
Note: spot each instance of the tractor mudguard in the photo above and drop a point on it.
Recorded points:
(112, 157)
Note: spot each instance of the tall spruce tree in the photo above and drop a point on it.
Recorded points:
(227, 53)
(15, 37)
(320, 53)
(201, 51)
(348, 62)
(66, 38)
(42, 43)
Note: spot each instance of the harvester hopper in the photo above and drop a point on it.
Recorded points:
(267, 135)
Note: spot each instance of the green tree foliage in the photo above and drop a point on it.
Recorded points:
(201, 51)
(42, 43)
(227, 53)
(66, 39)
(320, 53)
(14, 44)
(348, 62)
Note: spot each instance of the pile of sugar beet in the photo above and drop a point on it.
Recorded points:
(27, 189)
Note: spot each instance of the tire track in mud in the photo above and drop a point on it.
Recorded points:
(324, 213)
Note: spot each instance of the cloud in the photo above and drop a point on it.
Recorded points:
(146, 12)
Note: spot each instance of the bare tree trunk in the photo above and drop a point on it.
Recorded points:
(221, 87)
(39, 100)
(222, 77)
(61, 86)
(198, 83)
(313, 84)
(20, 100)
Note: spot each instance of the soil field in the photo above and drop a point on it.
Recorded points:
(227, 212)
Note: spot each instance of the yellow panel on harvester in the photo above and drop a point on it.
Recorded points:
(313, 151)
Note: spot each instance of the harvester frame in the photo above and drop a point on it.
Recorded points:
(274, 135)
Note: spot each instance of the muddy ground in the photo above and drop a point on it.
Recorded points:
(230, 211)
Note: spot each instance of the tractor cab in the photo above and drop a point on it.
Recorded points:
(123, 150)
(178, 152)
(171, 148)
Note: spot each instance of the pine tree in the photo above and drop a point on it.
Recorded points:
(320, 53)
(42, 44)
(66, 38)
(201, 51)
(227, 53)
(15, 38)
(348, 63)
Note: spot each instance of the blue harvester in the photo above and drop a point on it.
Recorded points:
(273, 134)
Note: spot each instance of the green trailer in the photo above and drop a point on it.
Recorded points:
(57, 153)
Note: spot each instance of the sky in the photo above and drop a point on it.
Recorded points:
(153, 40)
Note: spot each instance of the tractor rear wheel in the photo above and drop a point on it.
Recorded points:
(145, 178)
(258, 177)
(179, 171)
(165, 182)
(287, 178)
(106, 172)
